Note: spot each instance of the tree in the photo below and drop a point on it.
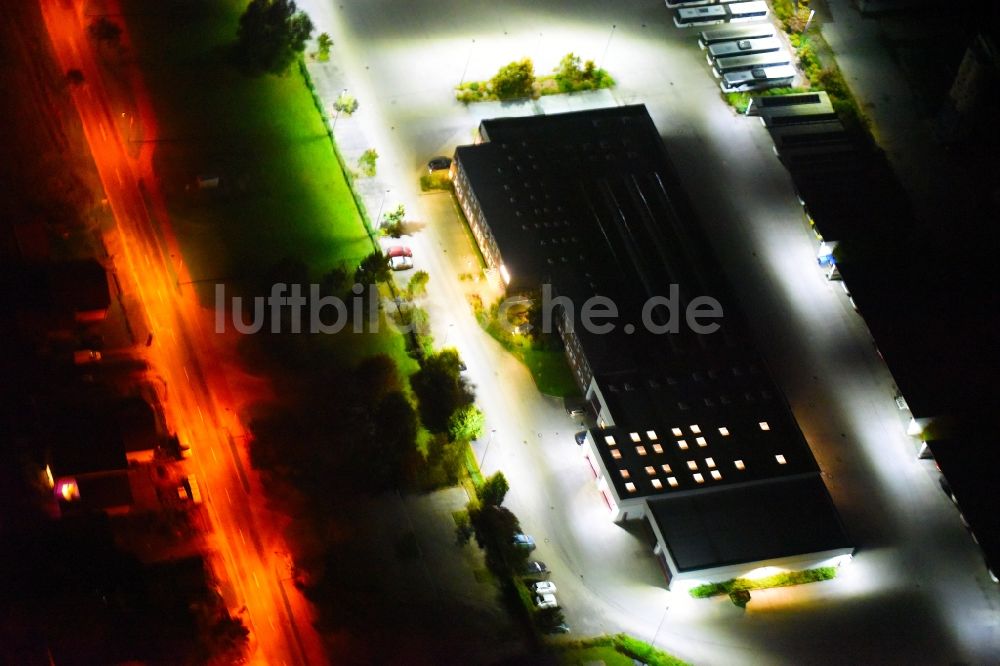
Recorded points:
(441, 389)
(493, 490)
(104, 30)
(373, 268)
(323, 44)
(345, 103)
(466, 423)
(393, 440)
(515, 80)
(417, 286)
(335, 282)
(547, 619)
(367, 162)
(271, 34)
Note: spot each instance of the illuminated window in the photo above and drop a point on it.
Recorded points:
(701, 441)
(651, 434)
(695, 429)
(682, 445)
(625, 473)
(716, 474)
(609, 440)
(672, 481)
(616, 454)
(692, 465)
(699, 478)
(635, 436)
(764, 426)
(657, 484)
(665, 468)
(630, 487)
(677, 432)
(739, 464)
(710, 462)
(650, 470)
(657, 448)
(641, 450)
(724, 431)
(781, 459)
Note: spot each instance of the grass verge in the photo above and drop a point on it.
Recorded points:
(618, 649)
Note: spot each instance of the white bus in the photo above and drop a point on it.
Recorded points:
(746, 11)
(808, 134)
(687, 3)
(688, 16)
(758, 78)
(757, 31)
(742, 47)
(737, 63)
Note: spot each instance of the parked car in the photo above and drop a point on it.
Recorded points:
(438, 163)
(581, 437)
(189, 490)
(523, 541)
(546, 601)
(561, 628)
(535, 568)
(544, 587)
(400, 258)
(86, 356)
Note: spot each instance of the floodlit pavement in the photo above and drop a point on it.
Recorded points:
(249, 555)
(917, 590)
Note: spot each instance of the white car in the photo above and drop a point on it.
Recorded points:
(544, 587)
(546, 601)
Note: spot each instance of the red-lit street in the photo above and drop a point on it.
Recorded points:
(250, 557)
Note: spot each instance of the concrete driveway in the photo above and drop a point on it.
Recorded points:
(917, 591)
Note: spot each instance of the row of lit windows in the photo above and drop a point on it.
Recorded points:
(677, 432)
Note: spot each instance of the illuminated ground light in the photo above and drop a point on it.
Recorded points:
(67, 490)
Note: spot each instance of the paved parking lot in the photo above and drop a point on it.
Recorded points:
(917, 591)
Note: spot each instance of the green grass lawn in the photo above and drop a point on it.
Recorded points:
(594, 655)
(282, 193)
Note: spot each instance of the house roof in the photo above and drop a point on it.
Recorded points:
(749, 523)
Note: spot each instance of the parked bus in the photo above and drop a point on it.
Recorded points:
(687, 3)
(757, 31)
(688, 16)
(825, 159)
(746, 11)
(737, 63)
(742, 47)
(809, 134)
(758, 78)
(797, 115)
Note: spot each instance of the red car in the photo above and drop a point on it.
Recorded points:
(400, 258)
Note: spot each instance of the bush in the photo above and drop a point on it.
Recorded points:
(777, 580)
(367, 162)
(515, 80)
(323, 44)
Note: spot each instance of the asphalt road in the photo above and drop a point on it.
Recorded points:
(248, 552)
(917, 591)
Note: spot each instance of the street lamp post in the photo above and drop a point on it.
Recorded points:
(336, 116)
(467, 61)
(604, 55)
(482, 461)
(378, 218)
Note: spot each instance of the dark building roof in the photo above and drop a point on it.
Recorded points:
(970, 465)
(83, 440)
(79, 286)
(103, 491)
(749, 523)
(590, 203)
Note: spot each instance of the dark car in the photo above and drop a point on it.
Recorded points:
(438, 163)
(535, 568)
(581, 437)
(561, 628)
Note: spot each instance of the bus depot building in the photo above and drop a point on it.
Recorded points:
(690, 433)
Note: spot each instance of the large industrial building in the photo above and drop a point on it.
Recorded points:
(691, 433)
